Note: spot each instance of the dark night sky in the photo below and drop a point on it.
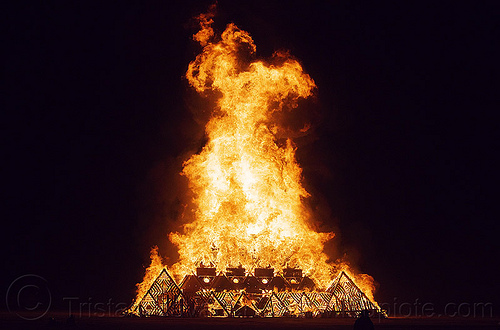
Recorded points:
(96, 119)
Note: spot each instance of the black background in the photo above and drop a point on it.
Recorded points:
(97, 118)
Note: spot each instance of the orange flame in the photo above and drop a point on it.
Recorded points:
(151, 274)
(248, 196)
(364, 282)
(247, 187)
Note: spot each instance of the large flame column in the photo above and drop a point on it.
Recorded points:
(249, 208)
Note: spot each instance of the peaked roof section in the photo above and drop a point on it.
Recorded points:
(347, 296)
(163, 297)
(164, 283)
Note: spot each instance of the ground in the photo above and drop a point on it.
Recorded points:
(11, 321)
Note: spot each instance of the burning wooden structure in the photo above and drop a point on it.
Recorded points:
(263, 293)
(248, 200)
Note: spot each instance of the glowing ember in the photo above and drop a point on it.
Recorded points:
(249, 199)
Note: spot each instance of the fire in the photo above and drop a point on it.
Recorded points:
(364, 282)
(247, 185)
(151, 273)
(249, 196)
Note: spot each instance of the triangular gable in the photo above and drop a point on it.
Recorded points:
(163, 297)
(149, 306)
(164, 283)
(347, 296)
